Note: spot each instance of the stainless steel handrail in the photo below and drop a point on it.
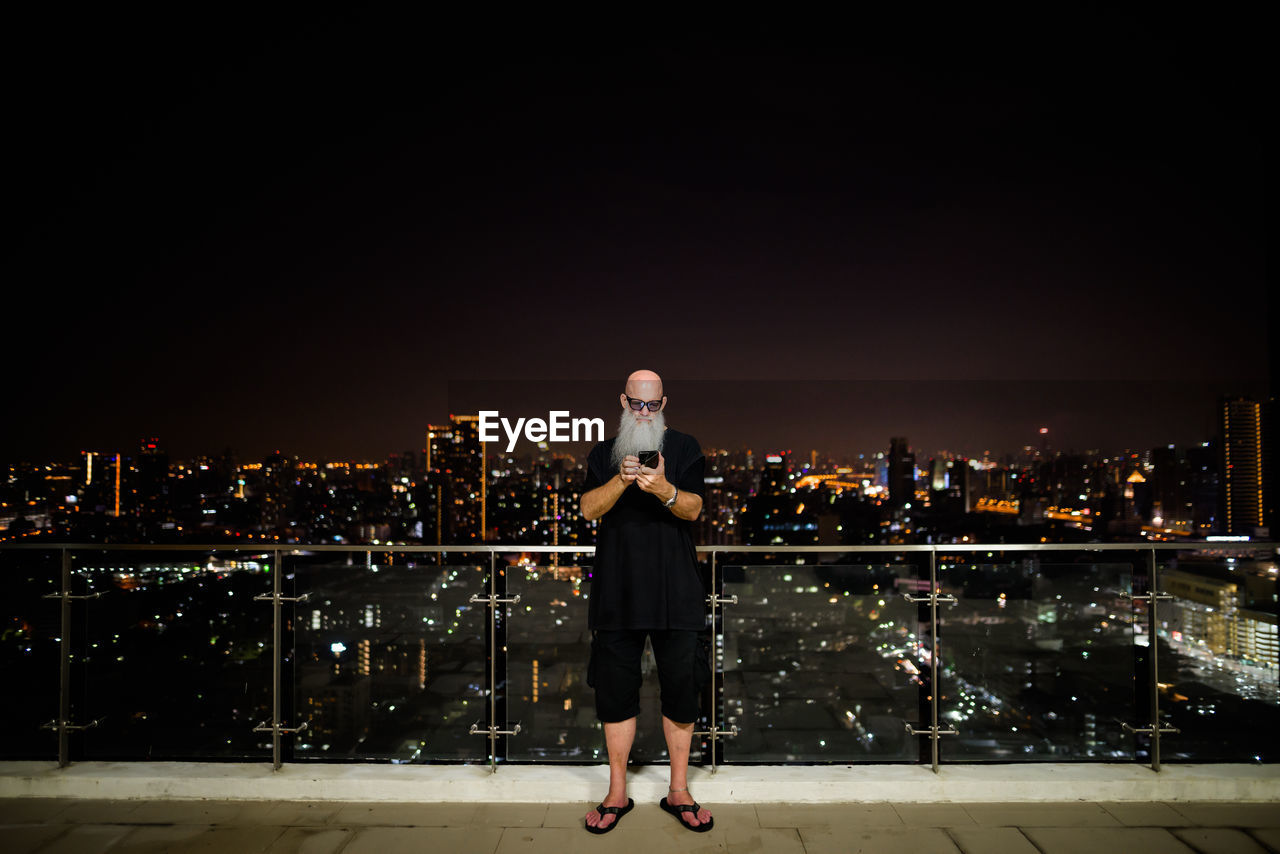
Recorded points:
(400, 548)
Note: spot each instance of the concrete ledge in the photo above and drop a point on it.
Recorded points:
(580, 784)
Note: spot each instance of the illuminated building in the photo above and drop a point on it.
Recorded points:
(151, 484)
(775, 514)
(454, 458)
(1137, 496)
(1257, 636)
(774, 480)
(1206, 609)
(1226, 615)
(1241, 465)
(1270, 477)
(1184, 488)
(722, 499)
(902, 473)
(949, 484)
(337, 706)
(938, 474)
(362, 657)
(958, 487)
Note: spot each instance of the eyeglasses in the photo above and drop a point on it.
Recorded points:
(637, 404)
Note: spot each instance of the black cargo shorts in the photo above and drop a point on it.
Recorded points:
(684, 670)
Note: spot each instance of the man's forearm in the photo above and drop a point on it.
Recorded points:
(687, 507)
(600, 500)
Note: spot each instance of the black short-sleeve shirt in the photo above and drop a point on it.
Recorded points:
(646, 568)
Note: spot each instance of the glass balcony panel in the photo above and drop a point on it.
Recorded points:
(390, 659)
(1038, 658)
(1217, 656)
(821, 663)
(548, 649)
(176, 654)
(30, 652)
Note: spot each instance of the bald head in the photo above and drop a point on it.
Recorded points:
(645, 385)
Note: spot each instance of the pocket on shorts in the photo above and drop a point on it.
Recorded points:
(702, 660)
(591, 663)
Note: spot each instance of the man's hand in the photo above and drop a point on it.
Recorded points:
(600, 500)
(629, 468)
(654, 481)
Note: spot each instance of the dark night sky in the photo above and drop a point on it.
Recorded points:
(319, 234)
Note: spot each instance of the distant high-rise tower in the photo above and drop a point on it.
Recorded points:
(1241, 423)
(773, 480)
(1270, 475)
(1203, 465)
(902, 472)
(150, 487)
(958, 487)
(454, 459)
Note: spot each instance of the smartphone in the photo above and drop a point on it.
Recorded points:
(649, 459)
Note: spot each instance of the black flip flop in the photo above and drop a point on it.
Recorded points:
(617, 812)
(676, 810)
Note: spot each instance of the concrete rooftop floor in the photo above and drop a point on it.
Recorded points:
(242, 808)
(239, 827)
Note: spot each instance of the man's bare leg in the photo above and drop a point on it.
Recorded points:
(679, 739)
(618, 738)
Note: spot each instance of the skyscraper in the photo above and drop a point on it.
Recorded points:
(773, 480)
(150, 488)
(1241, 423)
(902, 473)
(1270, 476)
(454, 459)
(958, 487)
(775, 514)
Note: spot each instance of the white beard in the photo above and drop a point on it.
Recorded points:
(635, 436)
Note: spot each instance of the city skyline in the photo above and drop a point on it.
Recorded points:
(957, 418)
(460, 490)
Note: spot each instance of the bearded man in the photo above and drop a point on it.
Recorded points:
(645, 584)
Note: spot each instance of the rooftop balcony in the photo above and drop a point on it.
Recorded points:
(321, 681)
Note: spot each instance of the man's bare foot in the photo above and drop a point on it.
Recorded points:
(677, 799)
(594, 819)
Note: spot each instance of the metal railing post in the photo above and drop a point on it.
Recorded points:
(716, 600)
(275, 727)
(64, 666)
(62, 724)
(933, 656)
(715, 699)
(933, 730)
(493, 664)
(1155, 729)
(492, 602)
(275, 659)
